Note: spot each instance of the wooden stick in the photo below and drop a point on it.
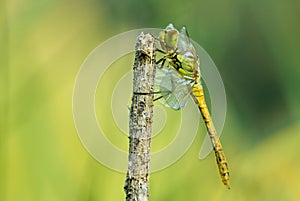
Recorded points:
(140, 123)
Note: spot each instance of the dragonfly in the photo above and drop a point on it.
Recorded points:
(178, 79)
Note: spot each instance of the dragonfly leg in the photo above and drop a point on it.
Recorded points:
(149, 93)
(146, 93)
(176, 63)
(161, 51)
(162, 61)
(155, 99)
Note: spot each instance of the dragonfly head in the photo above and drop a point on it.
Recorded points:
(169, 38)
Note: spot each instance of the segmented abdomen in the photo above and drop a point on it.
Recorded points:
(198, 96)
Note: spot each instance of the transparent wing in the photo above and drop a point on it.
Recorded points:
(184, 43)
(187, 52)
(174, 91)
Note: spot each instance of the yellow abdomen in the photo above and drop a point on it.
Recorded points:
(198, 96)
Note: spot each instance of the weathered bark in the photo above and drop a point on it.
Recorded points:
(140, 123)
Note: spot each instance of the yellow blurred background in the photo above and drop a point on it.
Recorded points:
(255, 45)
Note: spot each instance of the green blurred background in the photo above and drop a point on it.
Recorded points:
(255, 44)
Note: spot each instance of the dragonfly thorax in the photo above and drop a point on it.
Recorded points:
(189, 65)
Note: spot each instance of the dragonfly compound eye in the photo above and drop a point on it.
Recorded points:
(169, 39)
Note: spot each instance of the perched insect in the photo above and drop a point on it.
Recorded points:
(178, 78)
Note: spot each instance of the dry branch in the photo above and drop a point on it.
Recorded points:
(140, 123)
